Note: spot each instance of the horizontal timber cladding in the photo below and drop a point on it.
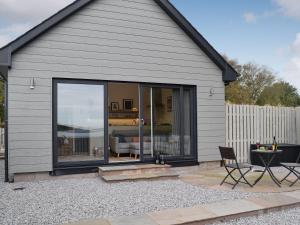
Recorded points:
(108, 40)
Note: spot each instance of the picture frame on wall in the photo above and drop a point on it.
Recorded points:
(114, 106)
(169, 104)
(127, 104)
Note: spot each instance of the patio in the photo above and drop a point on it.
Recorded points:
(211, 178)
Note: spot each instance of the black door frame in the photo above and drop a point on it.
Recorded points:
(76, 164)
(94, 163)
(193, 122)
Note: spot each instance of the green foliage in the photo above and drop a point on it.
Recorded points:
(257, 85)
(279, 94)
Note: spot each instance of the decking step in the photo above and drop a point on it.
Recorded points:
(136, 172)
(136, 177)
(132, 169)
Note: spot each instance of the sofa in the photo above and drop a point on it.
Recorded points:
(128, 142)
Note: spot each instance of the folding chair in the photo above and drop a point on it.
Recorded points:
(292, 170)
(228, 154)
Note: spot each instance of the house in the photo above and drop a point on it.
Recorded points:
(112, 82)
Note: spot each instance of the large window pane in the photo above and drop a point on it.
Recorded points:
(80, 122)
(187, 121)
(166, 121)
(123, 122)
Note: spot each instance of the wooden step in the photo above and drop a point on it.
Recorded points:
(136, 172)
(138, 177)
(132, 169)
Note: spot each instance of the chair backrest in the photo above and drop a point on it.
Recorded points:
(227, 153)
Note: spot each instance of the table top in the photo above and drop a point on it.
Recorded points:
(267, 151)
(280, 145)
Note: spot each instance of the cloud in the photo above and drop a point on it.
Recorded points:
(30, 10)
(291, 71)
(249, 17)
(289, 8)
(15, 12)
(11, 32)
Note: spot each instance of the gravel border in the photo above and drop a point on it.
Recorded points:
(67, 200)
(284, 217)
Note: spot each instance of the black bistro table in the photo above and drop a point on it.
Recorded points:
(266, 157)
(289, 154)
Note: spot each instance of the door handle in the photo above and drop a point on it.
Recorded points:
(142, 122)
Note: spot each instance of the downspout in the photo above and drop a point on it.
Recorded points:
(3, 73)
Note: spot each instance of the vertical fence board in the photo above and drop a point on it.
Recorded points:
(246, 124)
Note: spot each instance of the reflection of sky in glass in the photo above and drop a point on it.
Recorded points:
(80, 105)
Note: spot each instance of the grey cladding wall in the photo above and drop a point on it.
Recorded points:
(125, 40)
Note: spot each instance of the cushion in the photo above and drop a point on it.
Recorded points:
(121, 138)
(135, 139)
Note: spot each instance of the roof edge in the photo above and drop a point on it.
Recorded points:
(228, 72)
(8, 49)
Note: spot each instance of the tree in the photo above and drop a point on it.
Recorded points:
(250, 84)
(280, 94)
(255, 79)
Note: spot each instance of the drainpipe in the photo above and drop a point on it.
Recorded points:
(3, 73)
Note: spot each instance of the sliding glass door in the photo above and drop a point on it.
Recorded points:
(167, 113)
(98, 122)
(80, 122)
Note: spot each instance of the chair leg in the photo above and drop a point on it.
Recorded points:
(287, 174)
(229, 174)
(244, 178)
(298, 178)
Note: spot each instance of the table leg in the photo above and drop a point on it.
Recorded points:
(267, 169)
(276, 181)
(261, 176)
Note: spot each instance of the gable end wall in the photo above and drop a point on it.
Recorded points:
(128, 40)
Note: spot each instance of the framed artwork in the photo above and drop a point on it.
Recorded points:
(114, 106)
(169, 104)
(127, 104)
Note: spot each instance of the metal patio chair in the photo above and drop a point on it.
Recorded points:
(292, 170)
(227, 153)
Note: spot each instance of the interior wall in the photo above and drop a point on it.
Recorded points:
(119, 91)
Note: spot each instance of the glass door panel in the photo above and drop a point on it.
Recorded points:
(123, 122)
(80, 122)
(147, 125)
(187, 130)
(166, 121)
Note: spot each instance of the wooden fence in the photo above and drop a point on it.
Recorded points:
(247, 124)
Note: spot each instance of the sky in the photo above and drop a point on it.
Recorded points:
(266, 32)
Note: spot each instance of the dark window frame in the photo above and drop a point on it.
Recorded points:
(192, 158)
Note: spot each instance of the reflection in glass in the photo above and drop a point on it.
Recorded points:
(166, 121)
(187, 121)
(80, 122)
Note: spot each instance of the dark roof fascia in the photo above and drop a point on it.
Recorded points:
(3, 72)
(7, 50)
(229, 73)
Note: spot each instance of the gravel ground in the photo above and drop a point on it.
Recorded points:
(66, 200)
(285, 217)
(58, 201)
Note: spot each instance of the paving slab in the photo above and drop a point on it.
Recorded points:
(232, 207)
(92, 222)
(293, 194)
(228, 209)
(180, 216)
(276, 200)
(132, 220)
